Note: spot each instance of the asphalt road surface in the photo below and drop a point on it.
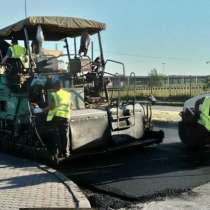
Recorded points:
(145, 172)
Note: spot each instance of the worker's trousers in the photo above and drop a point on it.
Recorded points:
(63, 127)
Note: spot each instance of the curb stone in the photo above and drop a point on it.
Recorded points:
(78, 196)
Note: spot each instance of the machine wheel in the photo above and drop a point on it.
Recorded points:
(191, 135)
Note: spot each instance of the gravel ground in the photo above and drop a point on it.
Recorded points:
(104, 202)
(165, 116)
(159, 202)
(196, 199)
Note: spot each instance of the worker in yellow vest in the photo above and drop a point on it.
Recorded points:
(201, 130)
(16, 51)
(205, 113)
(59, 113)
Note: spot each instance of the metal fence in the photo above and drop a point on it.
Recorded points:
(170, 86)
(162, 91)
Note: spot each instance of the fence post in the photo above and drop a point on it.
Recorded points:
(150, 82)
(190, 86)
(169, 87)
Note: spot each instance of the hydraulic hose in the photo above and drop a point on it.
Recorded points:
(33, 125)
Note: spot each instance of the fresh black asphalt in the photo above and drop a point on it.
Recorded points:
(144, 172)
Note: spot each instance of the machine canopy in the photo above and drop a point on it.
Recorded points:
(54, 27)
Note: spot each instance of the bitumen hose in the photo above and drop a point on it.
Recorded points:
(33, 125)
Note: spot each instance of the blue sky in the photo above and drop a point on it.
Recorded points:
(141, 33)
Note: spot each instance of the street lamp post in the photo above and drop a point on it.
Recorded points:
(25, 8)
(163, 66)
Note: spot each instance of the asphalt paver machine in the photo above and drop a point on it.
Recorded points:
(98, 122)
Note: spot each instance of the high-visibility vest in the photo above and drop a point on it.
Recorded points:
(62, 105)
(205, 113)
(19, 52)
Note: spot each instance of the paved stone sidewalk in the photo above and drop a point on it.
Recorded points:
(26, 184)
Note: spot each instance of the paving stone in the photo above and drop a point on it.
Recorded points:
(24, 184)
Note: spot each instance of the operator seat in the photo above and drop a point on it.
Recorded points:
(80, 65)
